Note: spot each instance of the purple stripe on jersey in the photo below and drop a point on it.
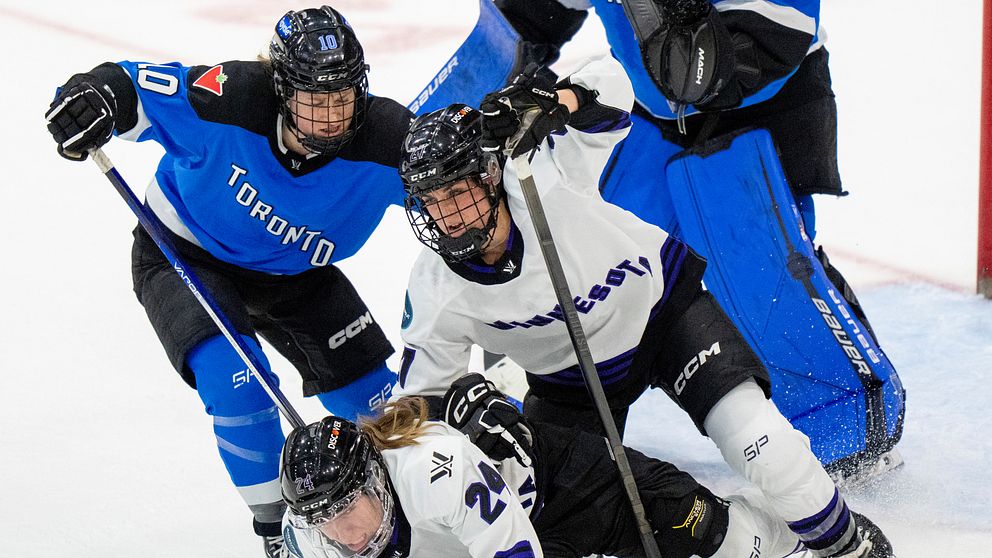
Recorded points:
(405, 364)
(604, 367)
(621, 122)
(479, 268)
(522, 549)
(609, 371)
(673, 254)
(626, 356)
(578, 382)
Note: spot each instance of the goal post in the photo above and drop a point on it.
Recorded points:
(984, 285)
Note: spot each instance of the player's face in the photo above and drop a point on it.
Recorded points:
(323, 114)
(355, 527)
(458, 206)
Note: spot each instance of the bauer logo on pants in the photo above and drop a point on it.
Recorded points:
(695, 364)
(353, 329)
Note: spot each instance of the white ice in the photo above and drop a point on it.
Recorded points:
(104, 452)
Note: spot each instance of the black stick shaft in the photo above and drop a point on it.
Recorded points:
(588, 367)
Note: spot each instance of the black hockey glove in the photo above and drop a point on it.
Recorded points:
(475, 407)
(691, 57)
(82, 116)
(506, 110)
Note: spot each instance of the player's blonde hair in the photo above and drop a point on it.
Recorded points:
(400, 424)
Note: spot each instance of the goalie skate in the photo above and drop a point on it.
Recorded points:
(866, 471)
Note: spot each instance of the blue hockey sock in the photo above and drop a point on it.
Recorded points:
(361, 396)
(246, 422)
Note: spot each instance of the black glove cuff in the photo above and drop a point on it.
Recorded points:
(125, 98)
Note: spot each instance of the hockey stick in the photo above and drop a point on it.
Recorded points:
(153, 228)
(575, 332)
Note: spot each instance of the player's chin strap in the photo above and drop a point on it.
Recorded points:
(154, 229)
(575, 332)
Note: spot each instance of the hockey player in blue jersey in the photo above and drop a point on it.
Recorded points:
(274, 170)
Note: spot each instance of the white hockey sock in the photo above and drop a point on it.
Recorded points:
(753, 531)
(759, 443)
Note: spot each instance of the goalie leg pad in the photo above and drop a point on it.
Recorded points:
(735, 208)
(483, 63)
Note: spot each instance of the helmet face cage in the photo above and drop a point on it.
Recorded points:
(374, 493)
(453, 187)
(320, 75)
(456, 220)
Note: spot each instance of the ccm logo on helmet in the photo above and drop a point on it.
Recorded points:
(694, 365)
(315, 505)
(421, 175)
(353, 329)
(332, 77)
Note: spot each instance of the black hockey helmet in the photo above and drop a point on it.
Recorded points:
(440, 149)
(317, 61)
(330, 468)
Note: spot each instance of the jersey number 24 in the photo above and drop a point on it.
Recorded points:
(482, 494)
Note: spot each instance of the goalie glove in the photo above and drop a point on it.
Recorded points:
(692, 57)
(475, 407)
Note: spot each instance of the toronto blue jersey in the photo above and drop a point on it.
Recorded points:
(778, 28)
(227, 181)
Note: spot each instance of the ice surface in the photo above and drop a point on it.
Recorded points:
(103, 452)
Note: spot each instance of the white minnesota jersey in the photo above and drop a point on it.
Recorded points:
(454, 502)
(617, 266)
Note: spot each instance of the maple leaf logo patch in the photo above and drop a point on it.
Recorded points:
(213, 80)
